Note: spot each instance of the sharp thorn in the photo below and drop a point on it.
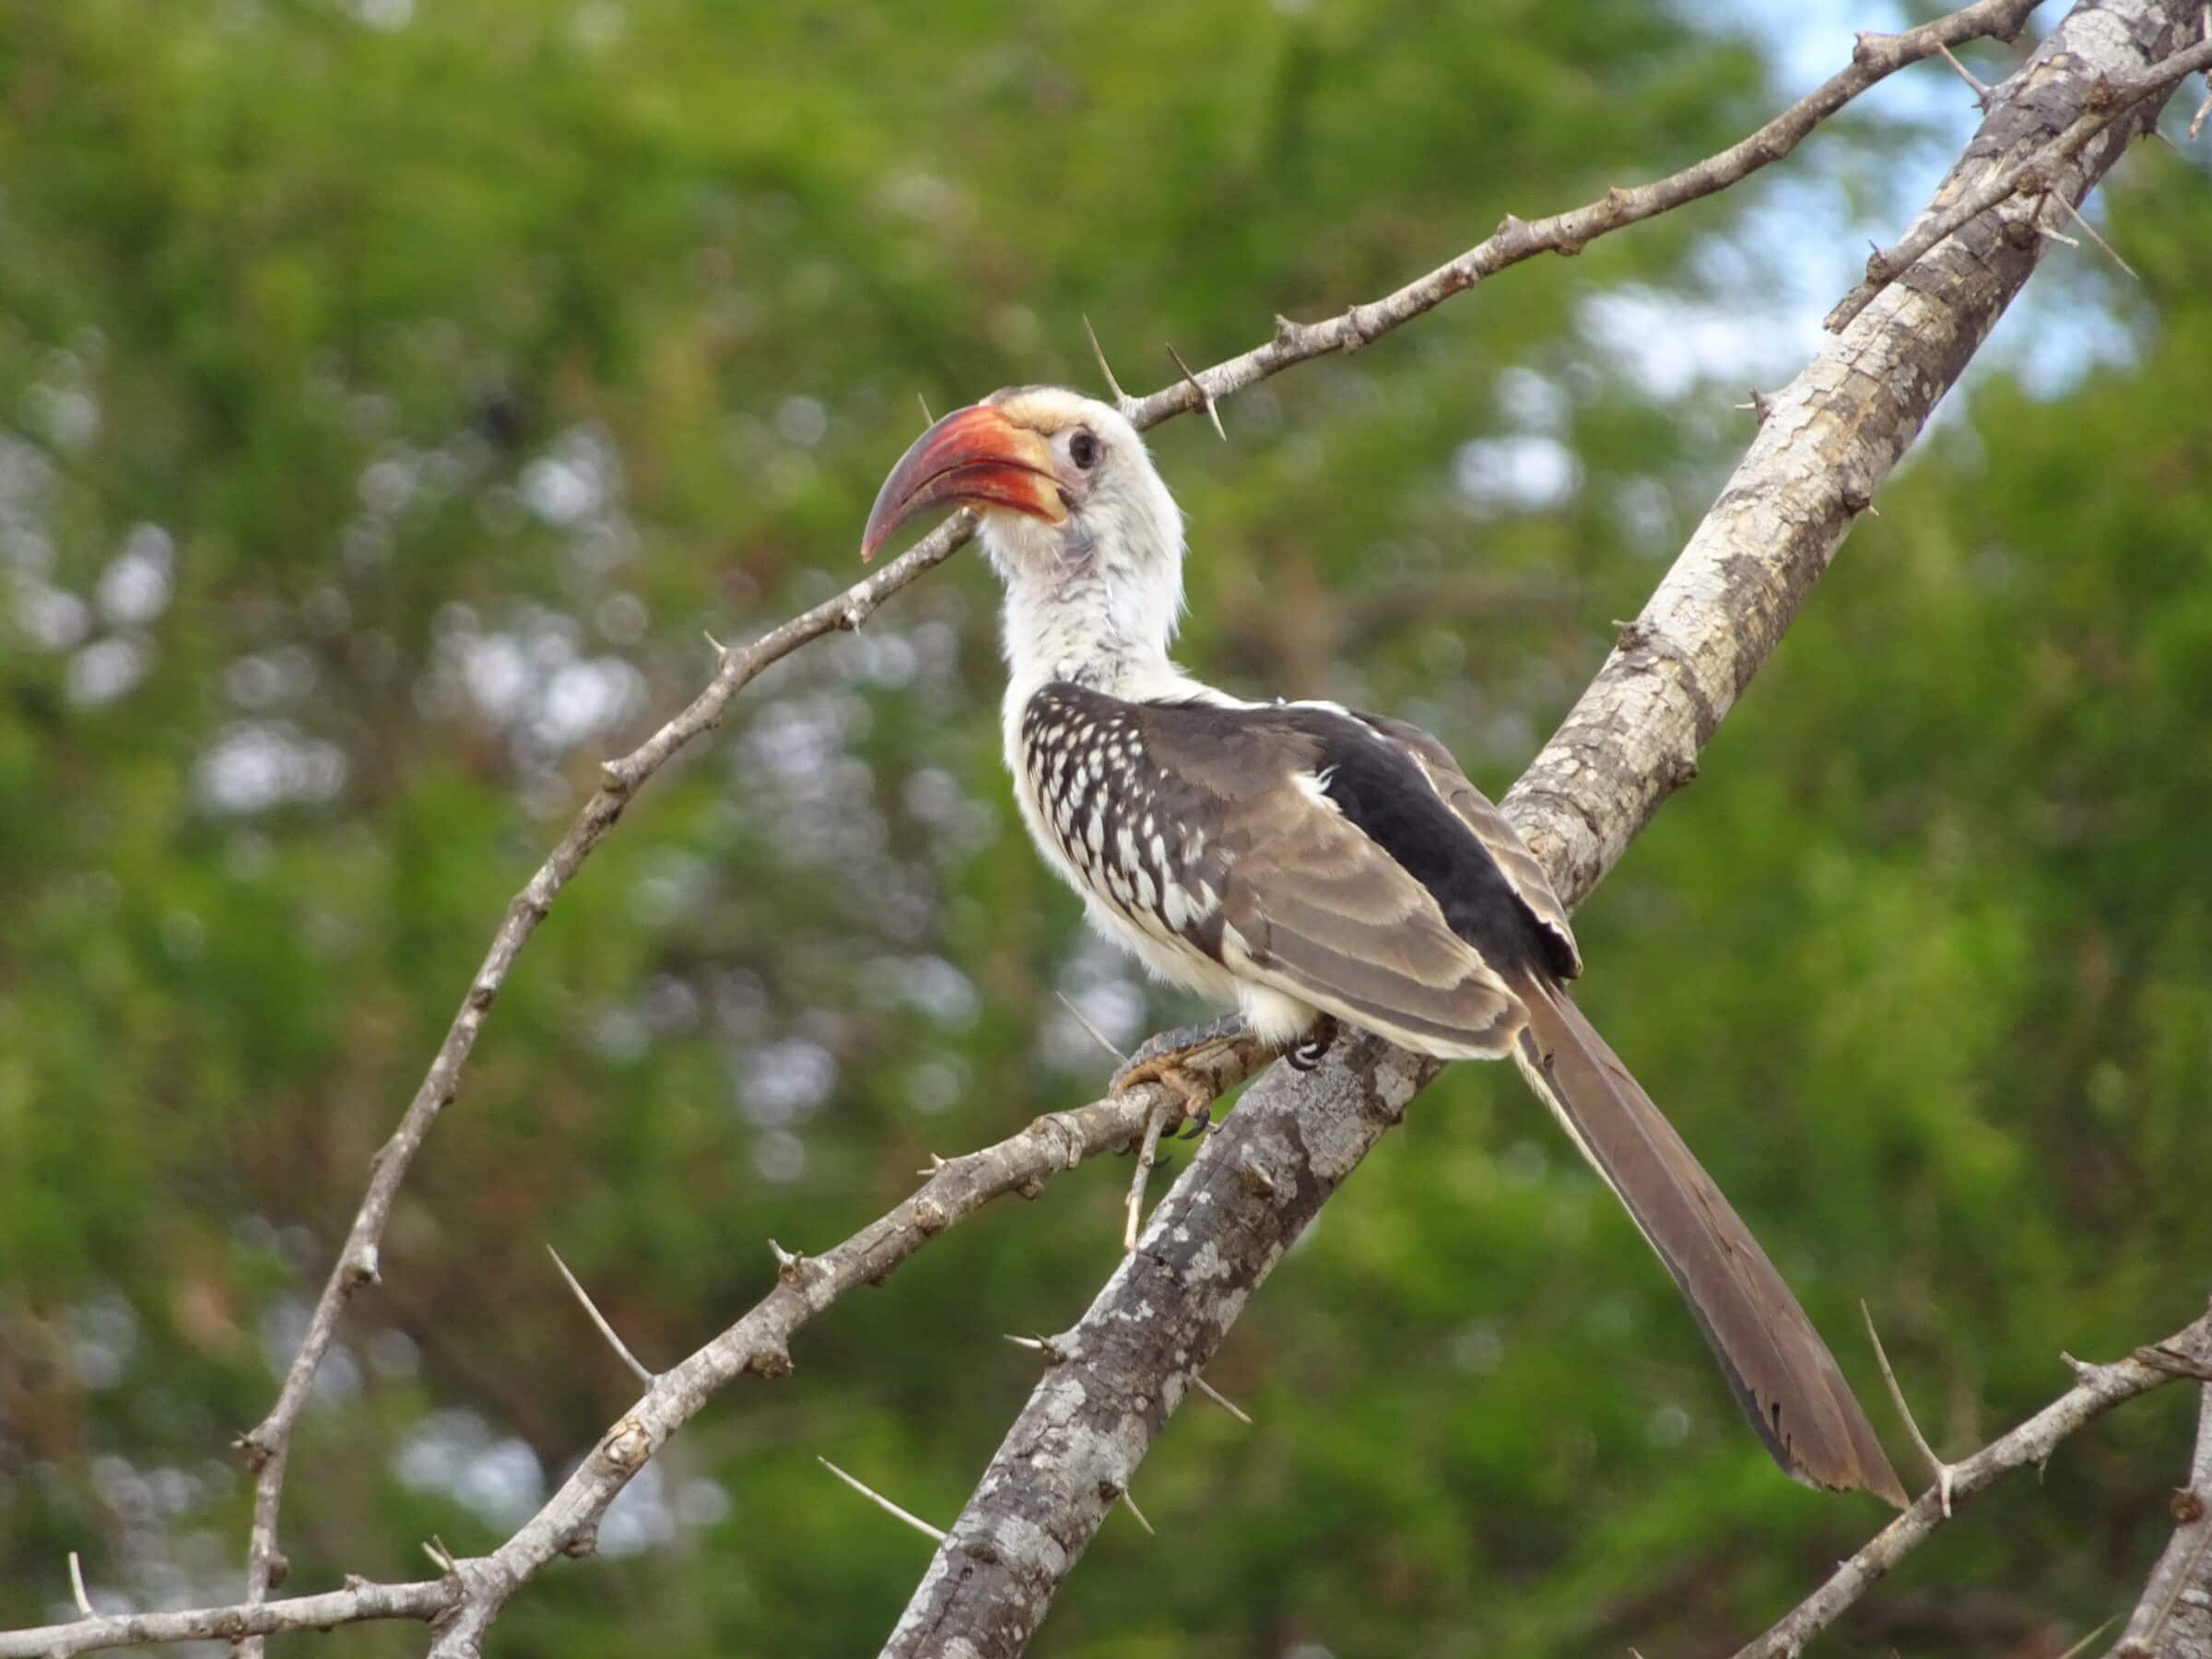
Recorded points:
(885, 1505)
(1138, 1514)
(1106, 368)
(1205, 398)
(599, 1319)
(1222, 1400)
(1104, 1041)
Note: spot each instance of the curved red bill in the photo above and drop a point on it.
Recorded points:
(973, 457)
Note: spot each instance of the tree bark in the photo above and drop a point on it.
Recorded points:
(1825, 444)
(2173, 1620)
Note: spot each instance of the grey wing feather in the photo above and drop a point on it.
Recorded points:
(1309, 904)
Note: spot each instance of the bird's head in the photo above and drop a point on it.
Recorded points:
(1068, 497)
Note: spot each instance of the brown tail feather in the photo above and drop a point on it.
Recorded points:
(1781, 1373)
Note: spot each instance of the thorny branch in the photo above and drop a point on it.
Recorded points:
(2032, 174)
(267, 1445)
(567, 1520)
(2097, 1389)
(757, 1345)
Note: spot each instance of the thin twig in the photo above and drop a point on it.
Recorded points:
(358, 1603)
(2097, 1389)
(599, 1319)
(1872, 59)
(885, 1505)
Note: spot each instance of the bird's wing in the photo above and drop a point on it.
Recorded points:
(1498, 835)
(1361, 871)
(1306, 899)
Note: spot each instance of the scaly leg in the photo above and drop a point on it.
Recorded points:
(1163, 1059)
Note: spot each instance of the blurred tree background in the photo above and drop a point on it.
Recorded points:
(392, 391)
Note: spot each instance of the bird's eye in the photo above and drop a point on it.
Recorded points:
(1083, 449)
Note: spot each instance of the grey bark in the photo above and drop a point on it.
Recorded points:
(1825, 444)
(2173, 1620)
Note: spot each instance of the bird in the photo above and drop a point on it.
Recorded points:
(1313, 867)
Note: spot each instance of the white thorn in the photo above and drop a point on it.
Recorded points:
(1120, 399)
(882, 1503)
(1205, 398)
(1220, 1399)
(1147, 1156)
(599, 1319)
(1103, 1041)
(1897, 1397)
(2089, 230)
(76, 1586)
(1138, 1514)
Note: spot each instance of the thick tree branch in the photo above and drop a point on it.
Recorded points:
(266, 1446)
(2097, 1389)
(1825, 444)
(2173, 1620)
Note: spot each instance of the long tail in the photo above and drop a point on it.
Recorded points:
(1782, 1374)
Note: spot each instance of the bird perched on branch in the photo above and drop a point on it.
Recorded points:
(1309, 865)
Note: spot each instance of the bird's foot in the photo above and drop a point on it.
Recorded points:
(1315, 1045)
(1166, 1060)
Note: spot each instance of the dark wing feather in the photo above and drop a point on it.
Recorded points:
(1388, 891)
(1498, 835)
(1307, 901)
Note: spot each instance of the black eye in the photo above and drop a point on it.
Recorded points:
(1083, 449)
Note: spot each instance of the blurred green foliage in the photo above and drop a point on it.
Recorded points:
(391, 392)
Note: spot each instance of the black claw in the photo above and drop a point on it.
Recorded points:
(1311, 1052)
(1195, 1124)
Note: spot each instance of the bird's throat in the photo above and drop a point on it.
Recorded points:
(1096, 633)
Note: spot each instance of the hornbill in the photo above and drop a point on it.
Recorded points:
(1309, 864)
